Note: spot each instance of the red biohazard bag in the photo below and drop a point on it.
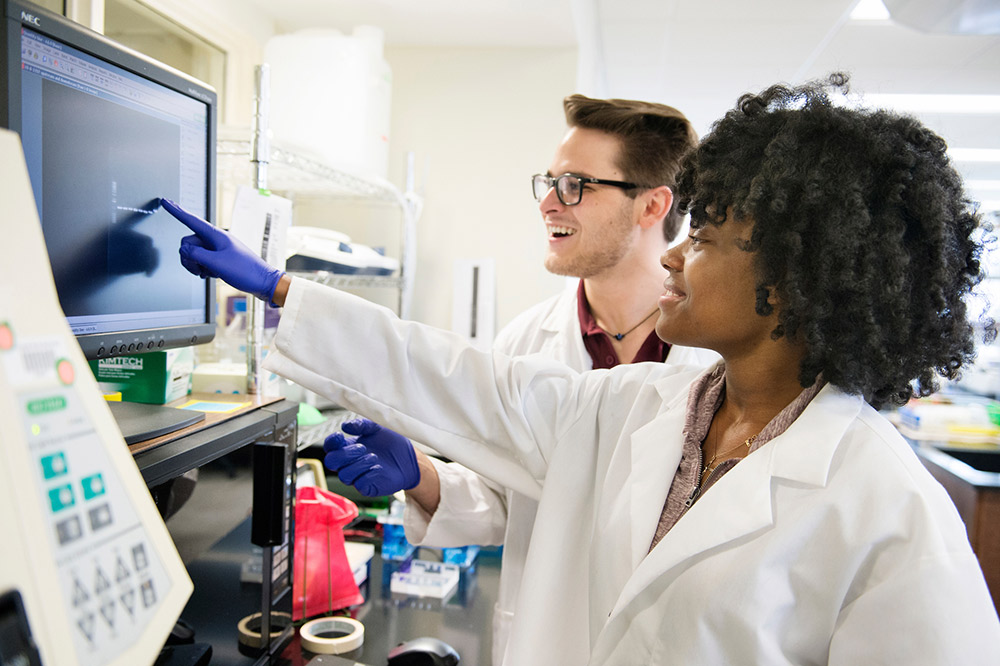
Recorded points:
(323, 581)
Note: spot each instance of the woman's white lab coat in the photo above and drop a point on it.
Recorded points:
(472, 511)
(830, 544)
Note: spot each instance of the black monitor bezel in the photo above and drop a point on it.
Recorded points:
(19, 14)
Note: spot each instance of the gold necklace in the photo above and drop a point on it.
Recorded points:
(709, 467)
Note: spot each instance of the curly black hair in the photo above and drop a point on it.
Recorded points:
(862, 232)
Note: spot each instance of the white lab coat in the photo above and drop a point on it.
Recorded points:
(473, 511)
(829, 544)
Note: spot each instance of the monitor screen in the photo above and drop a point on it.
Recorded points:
(106, 132)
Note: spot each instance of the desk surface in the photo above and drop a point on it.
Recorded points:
(220, 601)
(163, 458)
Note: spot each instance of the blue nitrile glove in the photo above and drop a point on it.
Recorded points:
(377, 461)
(212, 252)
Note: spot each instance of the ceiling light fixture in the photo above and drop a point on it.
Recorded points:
(870, 10)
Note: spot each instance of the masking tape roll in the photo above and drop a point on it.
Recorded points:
(332, 635)
(249, 628)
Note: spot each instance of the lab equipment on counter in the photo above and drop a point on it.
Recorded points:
(88, 574)
(332, 635)
(422, 578)
(950, 417)
(316, 249)
(251, 632)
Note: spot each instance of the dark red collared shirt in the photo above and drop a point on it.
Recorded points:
(598, 341)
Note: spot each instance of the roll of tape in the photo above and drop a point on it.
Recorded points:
(332, 635)
(249, 628)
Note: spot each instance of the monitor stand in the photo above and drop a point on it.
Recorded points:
(139, 421)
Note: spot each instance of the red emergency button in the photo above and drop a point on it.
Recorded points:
(6, 337)
(66, 372)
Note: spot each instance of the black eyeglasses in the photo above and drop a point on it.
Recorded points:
(569, 187)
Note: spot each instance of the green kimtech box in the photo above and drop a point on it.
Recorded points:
(155, 377)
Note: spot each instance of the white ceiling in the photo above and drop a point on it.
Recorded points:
(700, 55)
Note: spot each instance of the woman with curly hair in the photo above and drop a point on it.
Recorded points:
(762, 512)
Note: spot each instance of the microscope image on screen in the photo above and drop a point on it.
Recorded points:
(130, 251)
(119, 252)
(107, 240)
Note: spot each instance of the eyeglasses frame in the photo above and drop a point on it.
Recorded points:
(554, 184)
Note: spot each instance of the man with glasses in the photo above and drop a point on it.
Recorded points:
(607, 204)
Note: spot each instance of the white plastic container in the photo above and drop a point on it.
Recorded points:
(330, 97)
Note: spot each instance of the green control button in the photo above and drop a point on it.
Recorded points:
(53, 403)
(54, 465)
(93, 486)
(61, 497)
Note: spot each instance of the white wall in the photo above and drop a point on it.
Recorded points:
(480, 122)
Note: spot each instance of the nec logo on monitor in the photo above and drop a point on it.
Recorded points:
(30, 18)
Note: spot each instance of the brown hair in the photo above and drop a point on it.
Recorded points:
(654, 139)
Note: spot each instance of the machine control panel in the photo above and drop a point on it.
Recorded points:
(109, 574)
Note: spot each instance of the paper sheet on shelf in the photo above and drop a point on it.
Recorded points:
(261, 222)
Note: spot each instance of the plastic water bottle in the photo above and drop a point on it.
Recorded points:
(395, 547)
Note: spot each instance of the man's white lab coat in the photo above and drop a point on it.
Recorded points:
(830, 544)
(472, 511)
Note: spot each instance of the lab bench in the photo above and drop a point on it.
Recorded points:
(464, 621)
(971, 475)
(220, 600)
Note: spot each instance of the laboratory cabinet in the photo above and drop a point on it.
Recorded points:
(972, 478)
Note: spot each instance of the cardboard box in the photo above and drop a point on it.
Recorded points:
(155, 377)
(219, 378)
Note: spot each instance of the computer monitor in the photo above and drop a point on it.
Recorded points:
(106, 131)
